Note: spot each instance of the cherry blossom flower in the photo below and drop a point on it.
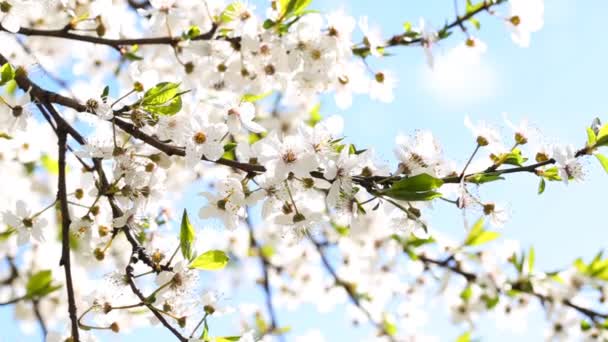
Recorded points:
(27, 226)
(204, 140)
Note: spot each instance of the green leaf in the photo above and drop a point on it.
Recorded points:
(186, 236)
(478, 235)
(160, 94)
(315, 115)
(227, 339)
(591, 137)
(7, 74)
(602, 136)
(163, 99)
(290, 8)
(466, 337)
(254, 97)
(531, 259)
(40, 284)
(389, 327)
(514, 158)
(491, 302)
(193, 32)
(210, 261)
(50, 164)
(541, 186)
(466, 294)
(421, 182)
(585, 325)
(231, 12)
(603, 160)
(407, 26)
(551, 174)
(474, 7)
(105, 93)
(411, 196)
(482, 178)
(475, 23)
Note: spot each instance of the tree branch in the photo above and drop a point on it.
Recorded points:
(265, 281)
(65, 230)
(158, 315)
(352, 295)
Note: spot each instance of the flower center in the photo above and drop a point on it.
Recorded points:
(289, 157)
(199, 138)
(515, 20)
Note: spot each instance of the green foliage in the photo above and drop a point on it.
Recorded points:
(389, 327)
(105, 93)
(315, 115)
(541, 186)
(416, 188)
(602, 136)
(478, 235)
(482, 178)
(603, 161)
(131, 55)
(49, 164)
(597, 268)
(466, 337)
(40, 284)
(193, 32)
(591, 137)
(7, 73)
(186, 236)
(474, 7)
(163, 99)
(210, 261)
(466, 294)
(255, 97)
(291, 8)
(514, 158)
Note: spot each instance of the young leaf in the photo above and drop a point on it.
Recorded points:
(591, 137)
(410, 196)
(160, 94)
(531, 259)
(602, 136)
(50, 164)
(7, 73)
(466, 337)
(389, 327)
(254, 97)
(603, 160)
(186, 236)
(478, 235)
(210, 261)
(105, 93)
(39, 284)
(421, 182)
(482, 178)
(541, 186)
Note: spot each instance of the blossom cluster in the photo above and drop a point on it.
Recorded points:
(216, 105)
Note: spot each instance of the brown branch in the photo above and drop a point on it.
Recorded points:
(352, 295)
(62, 197)
(43, 329)
(265, 280)
(158, 315)
(472, 277)
(65, 33)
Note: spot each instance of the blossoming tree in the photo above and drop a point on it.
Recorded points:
(220, 97)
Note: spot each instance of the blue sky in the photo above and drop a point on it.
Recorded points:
(558, 83)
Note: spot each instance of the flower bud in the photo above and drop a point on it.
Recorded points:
(99, 254)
